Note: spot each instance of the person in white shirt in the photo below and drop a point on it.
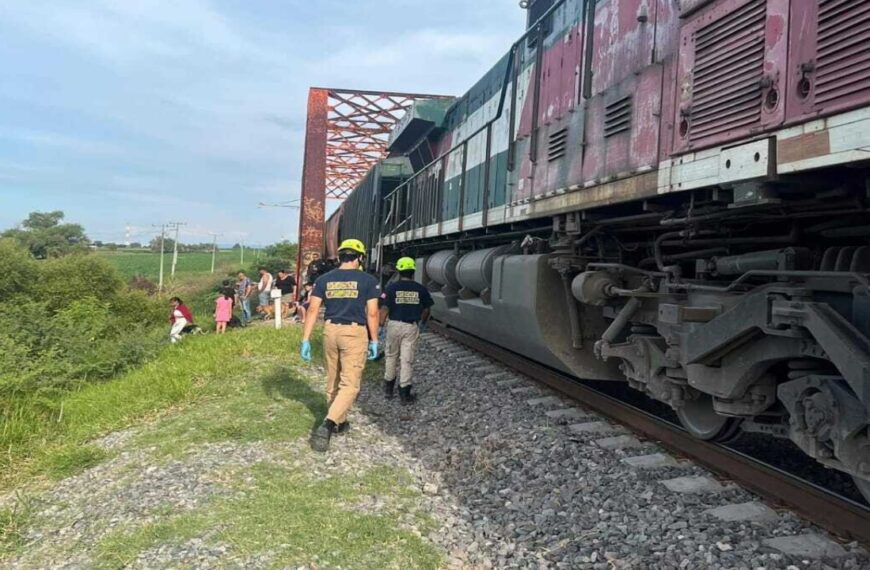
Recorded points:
(179, 317)
(264, 287)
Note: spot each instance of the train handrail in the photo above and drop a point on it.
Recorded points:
(509, 68)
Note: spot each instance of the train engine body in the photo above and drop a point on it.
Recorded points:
(669, 193)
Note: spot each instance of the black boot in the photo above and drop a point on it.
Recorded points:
(320, 437)
(343, 428)
(406, 396)
(389, 386)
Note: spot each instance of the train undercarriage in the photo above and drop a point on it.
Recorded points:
(744, 309)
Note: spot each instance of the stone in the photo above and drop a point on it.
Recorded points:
(430, 488)
(592, 427)
(809, 545)
(545, 401)
(652, 461)
(495, 375)
(523, 390)
(752, 511)
(567, 413)
(619, 442)
(693, 485)
(513, 381)
(470, 358)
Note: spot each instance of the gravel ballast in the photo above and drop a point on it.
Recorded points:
(546, 484)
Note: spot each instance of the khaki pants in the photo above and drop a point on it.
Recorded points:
(346, 348)
(401, 344)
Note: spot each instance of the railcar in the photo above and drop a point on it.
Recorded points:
(668, 193)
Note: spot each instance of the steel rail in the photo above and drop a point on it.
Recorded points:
(839, 515)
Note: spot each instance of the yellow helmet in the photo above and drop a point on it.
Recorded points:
(406, 263)
(353, 245)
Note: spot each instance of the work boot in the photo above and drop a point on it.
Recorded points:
(389, 387)
(406, 396)
(343, 428)
(320, 437)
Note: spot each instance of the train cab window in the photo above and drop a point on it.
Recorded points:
(536, 9)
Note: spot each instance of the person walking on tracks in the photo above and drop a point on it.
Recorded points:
(407, 304)
(350, 298)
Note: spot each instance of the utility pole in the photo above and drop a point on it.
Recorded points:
(175, 248)
(213, 250)
(162, 240)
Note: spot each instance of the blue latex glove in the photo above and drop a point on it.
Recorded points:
(382, 334)
(422, 326)
(373, 350)
(305, 352)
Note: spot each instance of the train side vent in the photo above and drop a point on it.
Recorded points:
(843, 56)
(729, 65)
(557, 144)
(617, 116)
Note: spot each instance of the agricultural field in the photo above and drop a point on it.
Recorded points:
(147, 263)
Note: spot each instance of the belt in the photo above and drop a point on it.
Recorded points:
(406, 322)
(345, 323)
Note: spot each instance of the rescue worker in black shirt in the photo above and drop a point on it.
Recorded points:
(350, 298)
(407, 304)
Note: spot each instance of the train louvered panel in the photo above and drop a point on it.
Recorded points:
(729, 64)
(557, 143)
(617, 116)
(843, 56)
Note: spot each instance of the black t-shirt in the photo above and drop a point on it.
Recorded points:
(286, 285)
(317, 268)
(345, 293)
(406, 300)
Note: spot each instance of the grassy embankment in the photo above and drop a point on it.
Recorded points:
(246, 386)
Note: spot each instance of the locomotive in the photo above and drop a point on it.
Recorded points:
(668, 193)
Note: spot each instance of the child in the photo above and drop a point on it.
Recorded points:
(223, 311)
(302, 302)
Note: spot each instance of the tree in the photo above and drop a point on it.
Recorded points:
(43, 234)
(281, 255)
(168, 245)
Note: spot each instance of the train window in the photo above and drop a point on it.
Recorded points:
(536, 9)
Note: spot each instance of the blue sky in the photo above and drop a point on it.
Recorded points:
(135, 112)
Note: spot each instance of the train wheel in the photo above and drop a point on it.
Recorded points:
(863, 486)
(701, 420)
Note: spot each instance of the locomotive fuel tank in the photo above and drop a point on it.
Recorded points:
(525, 311)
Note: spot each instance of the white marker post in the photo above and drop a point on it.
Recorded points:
(276, 298)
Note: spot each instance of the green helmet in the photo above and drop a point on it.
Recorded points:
(405, 264)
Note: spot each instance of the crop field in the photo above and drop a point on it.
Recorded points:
(147, 264)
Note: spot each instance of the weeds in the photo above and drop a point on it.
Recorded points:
(14, 521)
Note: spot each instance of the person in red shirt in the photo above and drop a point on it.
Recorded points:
(180, 317)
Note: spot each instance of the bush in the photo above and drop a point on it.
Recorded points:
(18, 270)
(66, 321)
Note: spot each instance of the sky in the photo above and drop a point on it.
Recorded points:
(129, 113)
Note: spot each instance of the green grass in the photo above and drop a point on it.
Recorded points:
(297, 519)
(14, 521)
(265, 404)
(147, 264)
(248, 386)
(206, 367)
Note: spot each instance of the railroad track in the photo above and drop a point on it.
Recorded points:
(839, 515)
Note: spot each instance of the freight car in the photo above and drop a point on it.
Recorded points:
(669, 193)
